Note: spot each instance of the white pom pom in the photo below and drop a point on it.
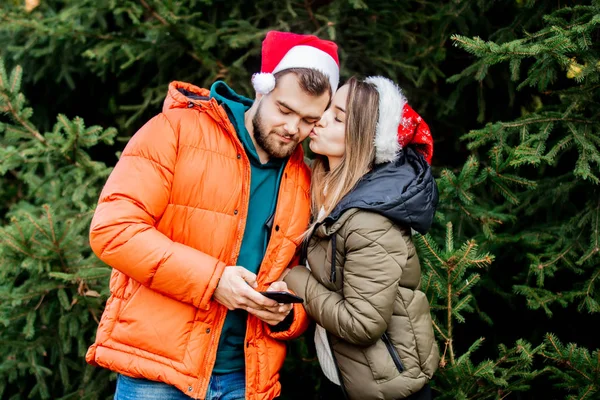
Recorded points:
(263, 82)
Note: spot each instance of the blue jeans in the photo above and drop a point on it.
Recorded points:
(221, 387)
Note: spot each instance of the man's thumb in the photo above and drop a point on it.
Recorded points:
(249, 277)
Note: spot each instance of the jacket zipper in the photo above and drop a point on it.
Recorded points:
(333, 252)
(205, 382)
(393, 352)
(205, 378)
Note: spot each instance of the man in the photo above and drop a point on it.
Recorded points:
(205, 208)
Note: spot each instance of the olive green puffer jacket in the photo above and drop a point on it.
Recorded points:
(367, 296)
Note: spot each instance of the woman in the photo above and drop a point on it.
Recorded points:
(371, 185)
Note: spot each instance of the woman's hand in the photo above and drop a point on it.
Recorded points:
(283, 275)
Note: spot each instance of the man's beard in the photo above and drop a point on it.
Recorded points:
(269, 141)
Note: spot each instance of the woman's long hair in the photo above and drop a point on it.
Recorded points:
(328, 187)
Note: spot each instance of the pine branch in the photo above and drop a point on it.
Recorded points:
(165, 23)
(445, 270)
(28, 127)
(576, 366)
(13, 111)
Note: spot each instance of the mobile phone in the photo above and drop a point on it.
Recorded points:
(283, 297)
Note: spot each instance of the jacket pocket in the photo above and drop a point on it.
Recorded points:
(381, 361)
(155, 323)
(129, 291)
(118, 283)
(393, 352)
(424, 338)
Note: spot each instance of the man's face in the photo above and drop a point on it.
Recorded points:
(286, 116)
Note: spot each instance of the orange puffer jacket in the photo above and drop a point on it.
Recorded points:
(170, 218)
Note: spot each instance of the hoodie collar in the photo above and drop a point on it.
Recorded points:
(236, 107)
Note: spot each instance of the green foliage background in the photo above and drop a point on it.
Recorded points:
(509, 89)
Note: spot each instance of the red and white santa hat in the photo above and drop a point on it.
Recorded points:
(284, 50)
(398, 124)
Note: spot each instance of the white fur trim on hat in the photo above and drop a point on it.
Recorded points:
(263, 82)
(313, 58)
(391, 105)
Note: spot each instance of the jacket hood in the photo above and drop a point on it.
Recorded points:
(180, 94)
(403, 191)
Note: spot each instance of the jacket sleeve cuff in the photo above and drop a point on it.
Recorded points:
(298, 322)
(297, 279)
(285, 324)
(212, 285)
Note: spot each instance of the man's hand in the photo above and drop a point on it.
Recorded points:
(273, 315)
(236, 289)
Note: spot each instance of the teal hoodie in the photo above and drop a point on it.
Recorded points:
(264, 187)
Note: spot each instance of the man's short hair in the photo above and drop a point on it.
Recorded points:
(311, 81)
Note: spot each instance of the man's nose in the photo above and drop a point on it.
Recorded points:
(292, 127)
(322, 122)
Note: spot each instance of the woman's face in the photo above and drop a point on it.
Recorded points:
(328, 137)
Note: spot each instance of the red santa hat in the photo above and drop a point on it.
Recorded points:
(398, 124)
(284, 50)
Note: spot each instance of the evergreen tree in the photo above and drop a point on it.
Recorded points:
(530, 192)
(52, 287)
(124, 52)
(526, 194)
